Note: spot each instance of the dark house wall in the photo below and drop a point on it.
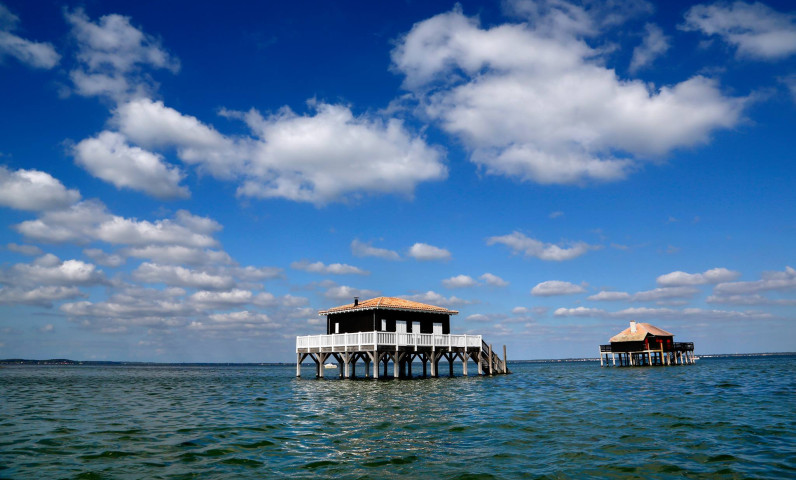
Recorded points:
(363, 321)
(639, 346)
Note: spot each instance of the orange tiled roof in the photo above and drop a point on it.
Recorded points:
(388, 303)
(642, 329)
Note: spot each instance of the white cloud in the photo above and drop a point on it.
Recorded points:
(361, 249)
(531, 247)
(235, 297)
(50, 270)
(610, 296)
(459, 281)
(493, 280)
(90, 220)
(714, 275)
(662, 313)
(654, 45)
(334, 268)
(749, 299)
(556, 287)
(333, 154)
(33, 190)
(344, 292)
(35, 54)
(426, 252)
(756, 30)
(663, 295)
(109, 157)
(433, 298)
(40, 296)
(771, 281)
(177, 254)
(112, 54)
(24, 249)
(151, 124)
(538, 104)
(175, 275)
(329, 156)
(104, 258)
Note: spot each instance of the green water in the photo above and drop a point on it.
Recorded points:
(721, 418)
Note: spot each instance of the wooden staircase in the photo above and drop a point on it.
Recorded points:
(491, 363)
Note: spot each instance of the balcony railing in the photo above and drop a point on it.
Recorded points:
(391, 339)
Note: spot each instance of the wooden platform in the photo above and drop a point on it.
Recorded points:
(679, 353)
(403, 349)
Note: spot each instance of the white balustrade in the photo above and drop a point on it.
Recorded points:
(361, 340)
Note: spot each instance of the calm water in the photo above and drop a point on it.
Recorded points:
(721, 418)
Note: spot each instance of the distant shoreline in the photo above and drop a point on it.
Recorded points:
(64, 361)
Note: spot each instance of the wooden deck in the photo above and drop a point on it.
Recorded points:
(403, 349)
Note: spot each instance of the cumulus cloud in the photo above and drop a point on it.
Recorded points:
(715, 275)
(756, 30)
(34, 54)
(426, 252)
(770, 281)
(33, 190)
(50, 270)
(24, 249)
(332, 154)
(109, 157)
(112, 55)
(361, 249)
(179, 254)
(433, 298)
(662, 313)
(334, 268)
(104, 258)
(90, 220)
(43, 296)
(175, 275)
(459, 281)
(654, 45)
(531, 247)
(344, 292)
(556, 287)
(493, 280)
(152, 124)
(327, 156)
(538, 103)
(234, 297)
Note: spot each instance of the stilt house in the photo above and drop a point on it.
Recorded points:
(645, 344)
(384, 329)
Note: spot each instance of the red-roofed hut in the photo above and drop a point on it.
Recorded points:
(384, 329)
(645, 344)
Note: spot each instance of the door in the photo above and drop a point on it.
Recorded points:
(437, 329)
(400, 326)
(415, 327)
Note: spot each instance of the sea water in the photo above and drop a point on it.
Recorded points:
(720, 418)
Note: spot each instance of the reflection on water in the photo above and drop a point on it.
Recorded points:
(721, 418)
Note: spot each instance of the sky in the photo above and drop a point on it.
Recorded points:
(192, 181)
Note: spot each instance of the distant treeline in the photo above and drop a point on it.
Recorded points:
(65, 361)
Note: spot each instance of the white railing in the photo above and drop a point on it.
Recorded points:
(376, 339)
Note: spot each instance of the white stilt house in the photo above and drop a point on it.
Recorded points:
(388, 329)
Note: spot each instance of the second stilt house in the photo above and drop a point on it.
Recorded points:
(381, 330)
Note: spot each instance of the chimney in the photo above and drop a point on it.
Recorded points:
(632, 326)
(356, 302)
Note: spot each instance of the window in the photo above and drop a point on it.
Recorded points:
(383, 325)
(437, 329)
(336, 328)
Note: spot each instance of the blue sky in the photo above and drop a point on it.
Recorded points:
(193, 181)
